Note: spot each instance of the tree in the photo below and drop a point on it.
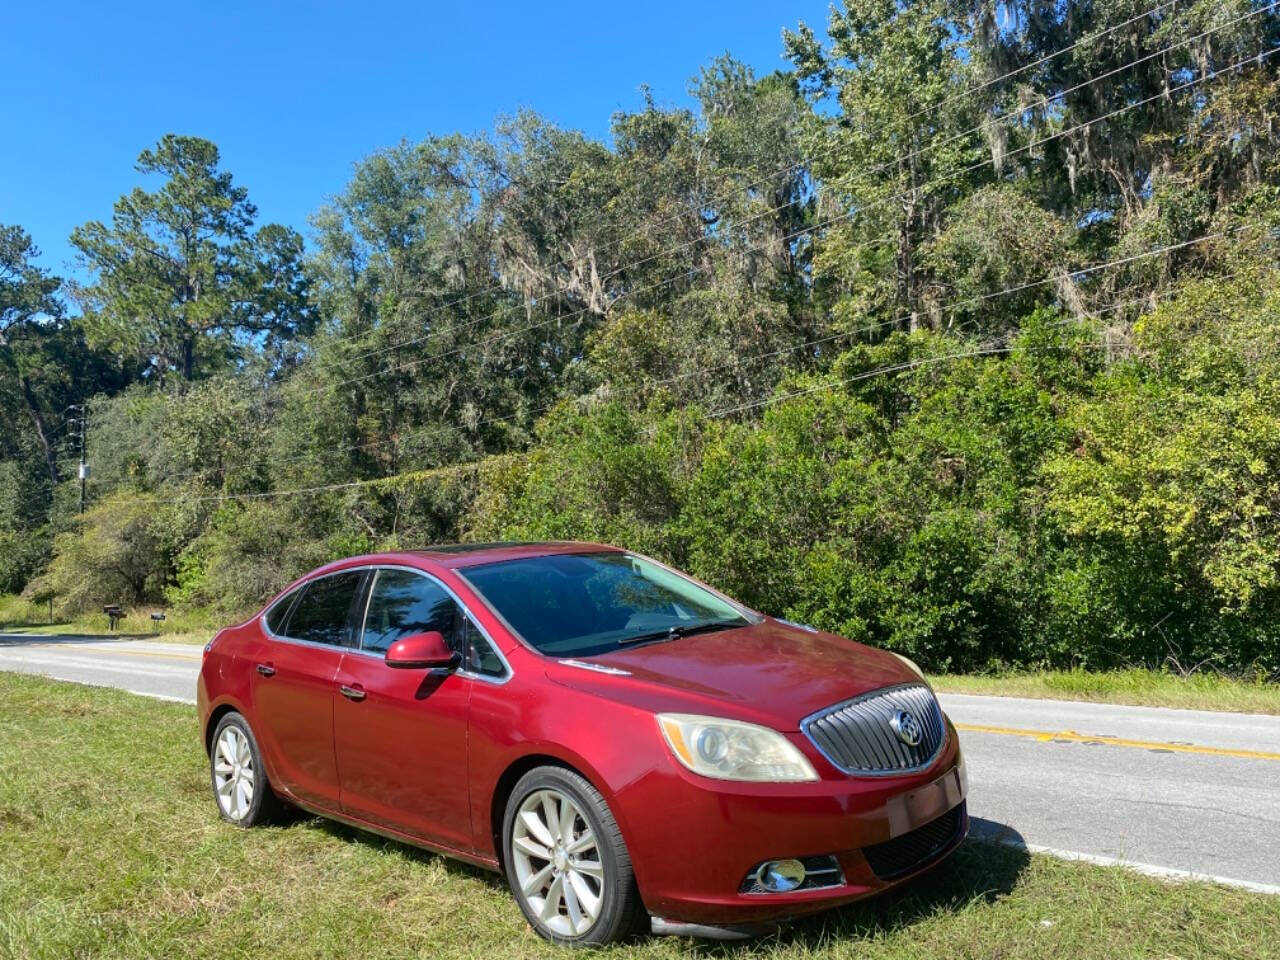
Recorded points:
(891, 157)
(29, 311)
(180, 278)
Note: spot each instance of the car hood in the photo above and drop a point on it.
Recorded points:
(773, 673)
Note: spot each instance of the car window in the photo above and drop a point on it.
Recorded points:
(278, 614)
(573, 605)
(481, 657)
(321, 614)
(404, 603)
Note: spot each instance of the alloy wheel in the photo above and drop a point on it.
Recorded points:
(557, 863)
(233, 773)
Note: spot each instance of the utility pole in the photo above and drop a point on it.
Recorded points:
(77, 419)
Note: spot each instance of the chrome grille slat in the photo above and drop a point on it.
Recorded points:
(889, 754)
(856, 736)
(877, 752)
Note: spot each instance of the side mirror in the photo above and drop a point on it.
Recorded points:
(422, 651)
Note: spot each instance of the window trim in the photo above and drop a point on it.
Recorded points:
(297, 593)
(364, 611)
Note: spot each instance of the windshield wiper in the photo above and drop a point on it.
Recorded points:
(676, 631)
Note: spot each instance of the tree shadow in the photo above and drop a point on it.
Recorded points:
(983, 869)
(17, 640)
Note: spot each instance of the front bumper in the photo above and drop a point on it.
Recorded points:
(692, 840)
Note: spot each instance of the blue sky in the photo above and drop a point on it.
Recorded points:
(294, 94)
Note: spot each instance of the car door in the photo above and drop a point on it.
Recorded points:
(401, 735)
(294, 685)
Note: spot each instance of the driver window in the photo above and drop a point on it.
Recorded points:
(403, 603)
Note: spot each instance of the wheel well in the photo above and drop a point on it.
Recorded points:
(507, 783)
(212, 725)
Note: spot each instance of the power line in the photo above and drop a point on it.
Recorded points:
(933, 146)
(391, 481)
(759, 215)
(804, 161)
(693, 272)
(437, 429)
(413, 476)
(411, 364)
(418, 475)
(895, 368)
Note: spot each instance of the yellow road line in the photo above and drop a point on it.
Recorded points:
(1070, 736)
(94, 650)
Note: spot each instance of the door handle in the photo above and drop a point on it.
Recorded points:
(266, 669)
(352, 693)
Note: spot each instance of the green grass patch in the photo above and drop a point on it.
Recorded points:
(112, 849)
(18, 615)
(1146, 688)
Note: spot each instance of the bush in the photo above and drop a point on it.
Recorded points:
(609, 475)
(118, 552)
(1038, 509)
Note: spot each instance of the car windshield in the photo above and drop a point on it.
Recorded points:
(575, 605)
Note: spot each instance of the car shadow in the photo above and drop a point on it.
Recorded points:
(983, 869)
(367, 838)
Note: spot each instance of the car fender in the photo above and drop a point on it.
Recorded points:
(568, 730)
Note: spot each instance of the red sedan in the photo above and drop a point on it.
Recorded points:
(621, 741)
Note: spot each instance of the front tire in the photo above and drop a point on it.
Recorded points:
(566, 861)
(241, 789)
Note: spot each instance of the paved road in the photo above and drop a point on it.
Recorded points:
(1179, 790)
(164, 670)
(1171, 791)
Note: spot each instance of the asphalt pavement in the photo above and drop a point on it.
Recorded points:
(150, 668)
(1168, 792)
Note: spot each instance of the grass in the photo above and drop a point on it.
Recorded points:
(18, 615)
(111, 848)
(1199, 691)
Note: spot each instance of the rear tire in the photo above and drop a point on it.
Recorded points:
(566, 862)
(241, 790)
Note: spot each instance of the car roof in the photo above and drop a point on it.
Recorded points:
(453, 556)
(458, 555)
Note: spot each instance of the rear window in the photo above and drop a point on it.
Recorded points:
(322, 614)
(278, 615)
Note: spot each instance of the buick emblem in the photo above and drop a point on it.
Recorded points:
(907, 727)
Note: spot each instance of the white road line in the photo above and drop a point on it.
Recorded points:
(1146, 869)
(84, 663)
(154, 696)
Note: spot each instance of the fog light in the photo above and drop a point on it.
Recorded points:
(779, 876)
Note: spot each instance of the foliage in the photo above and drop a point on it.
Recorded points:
(1173, 481)
(940, 338)
(120, 552)
(610, 476)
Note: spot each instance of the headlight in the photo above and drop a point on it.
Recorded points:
(731, 750)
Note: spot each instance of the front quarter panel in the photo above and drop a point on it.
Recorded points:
(611, 744)
(693, 839)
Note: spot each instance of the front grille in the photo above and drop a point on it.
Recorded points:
(857, 736)
(917, 849)
(819, 872)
